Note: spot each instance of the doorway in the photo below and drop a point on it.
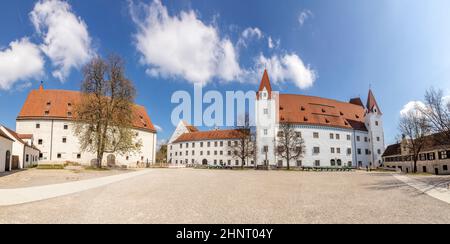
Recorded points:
(111, 160)
(7, 160)
(205, 162)
(436, 171)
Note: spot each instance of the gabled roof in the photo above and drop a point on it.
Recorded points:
(265, 83)
(372, 103)
(15, 136)
(58, 104)
(189, 127)
(391, 150)
(209, 135)
(310, 110)
(432, 142)
(2, 134)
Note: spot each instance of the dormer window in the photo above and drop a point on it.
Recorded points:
(302, 108)
(357, 116)
(69, 114)
(323, 110)
(69, 105)
(46, 112)
(49, 103)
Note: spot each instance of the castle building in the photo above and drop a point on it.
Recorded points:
(6, 145)
(48, 115)
(335, 133)
(24, 153)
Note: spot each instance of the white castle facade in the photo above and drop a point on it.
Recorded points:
(335, 133)
(47, 116)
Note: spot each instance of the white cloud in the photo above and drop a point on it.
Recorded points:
(20, 61)
(411, 107)
(158, 128)
(273, 44)
(288, 67)
(446, 100)
(303, 16)
(182, 45)
(66, 38)
(249, 34)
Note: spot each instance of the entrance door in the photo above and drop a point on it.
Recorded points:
(436, 171)
(111, 160)
(15, 162)
(205, 162)
(424, 169)
(7, 160)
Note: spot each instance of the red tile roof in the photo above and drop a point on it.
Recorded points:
(25, 136)
(309, 110)
(209, 135)
(265, 83)
(58, 104)
(372, 103)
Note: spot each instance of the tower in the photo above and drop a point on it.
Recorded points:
(266, 119)
(374, 123)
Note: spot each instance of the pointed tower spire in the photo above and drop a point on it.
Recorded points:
(265, 83)
(372, 105)
(41, 86)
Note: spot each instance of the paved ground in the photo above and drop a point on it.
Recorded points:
(38, 177)
(208, 196)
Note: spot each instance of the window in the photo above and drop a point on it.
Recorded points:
(181, 146)
(332, 150)
(66, 127)
(298, 134)
(443, 155)
(208, 153)
(193, 153)
(338, 136)
(40, 141)
(58, 155)
(221, 152)
(358, 138)
(299, 163)
(215, 152)
(64, 140)
(339, 162)
(445, 167)
(201, 153)
(237, 162)
(78, 156)
(317, 163)
(379, 151)
(27, 158)
(359, 151)
(187, 153)
(193, 145)
(367, 151)
(316, 134)
(265, 132)
(209, 144)
(316, 150)
(229, 143)
(331, 136)
(201, 144)
(215, 161)
(280, 133)
(338, 150)
(215, 144)
(349, 151)
(221, 143)
(376, 122)
(187, 145)
(266, 111)
(229, 162)
(69, 114)
(265, 149)
(38, 126)
(332, 162)
(349, 137)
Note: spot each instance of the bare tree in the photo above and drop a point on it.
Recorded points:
(414, 129)
(243, 148)
(437, 113)
(290, 144)
(104, 114)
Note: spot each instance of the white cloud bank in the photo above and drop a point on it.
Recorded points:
(411, 107)
(182, 45)
(66, 38)
(20, 61)
(288, 67)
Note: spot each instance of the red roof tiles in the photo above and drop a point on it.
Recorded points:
(209, 135)
(58, 104)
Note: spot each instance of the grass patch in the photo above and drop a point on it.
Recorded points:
(50, 166)
(90, 168)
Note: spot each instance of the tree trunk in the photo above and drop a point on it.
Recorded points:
(415, 166)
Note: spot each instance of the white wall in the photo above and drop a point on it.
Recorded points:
(192, 151)
(52, 132)
(5, 145)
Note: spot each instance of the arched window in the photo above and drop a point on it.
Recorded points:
(333, 162)
(339, 162)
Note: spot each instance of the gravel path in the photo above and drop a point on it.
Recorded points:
(209, 196)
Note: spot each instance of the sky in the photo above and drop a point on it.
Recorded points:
(332, 49)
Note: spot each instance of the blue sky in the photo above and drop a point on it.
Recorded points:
(400, 48)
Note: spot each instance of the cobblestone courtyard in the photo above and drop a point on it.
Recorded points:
(215, 196)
